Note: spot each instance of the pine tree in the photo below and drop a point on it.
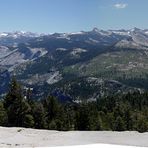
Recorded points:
(82, 118)
(142, 124)
(52, 108)
(95, 122)
(14, 92)
(39, 115)
(3, 115)
(119, 124)
(17, 107)
(26, 113)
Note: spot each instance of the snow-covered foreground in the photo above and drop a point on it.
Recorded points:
(22, 137)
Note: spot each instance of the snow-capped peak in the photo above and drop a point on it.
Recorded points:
(75, 33)
(96, 30)
(17, 34)
(135, 29)
(3, 34)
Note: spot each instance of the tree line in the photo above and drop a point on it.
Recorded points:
(116, 113)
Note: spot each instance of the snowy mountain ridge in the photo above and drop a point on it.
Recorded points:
(17, 34)
(48, 59)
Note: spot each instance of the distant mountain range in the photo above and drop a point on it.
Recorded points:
(80, 65)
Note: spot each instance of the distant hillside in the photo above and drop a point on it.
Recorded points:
(82, 64)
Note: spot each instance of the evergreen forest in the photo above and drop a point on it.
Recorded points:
(124, 112)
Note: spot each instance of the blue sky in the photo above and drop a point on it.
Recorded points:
(48, 16)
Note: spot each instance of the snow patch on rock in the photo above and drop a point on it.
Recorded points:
(77, 51)
(54, 78)
(39, 51)
(95, 80)
(61, 49)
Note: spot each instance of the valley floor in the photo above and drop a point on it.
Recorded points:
(23, 137)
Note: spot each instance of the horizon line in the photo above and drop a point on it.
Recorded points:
(87, 30)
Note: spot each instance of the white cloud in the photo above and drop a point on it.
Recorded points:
(120, 5)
